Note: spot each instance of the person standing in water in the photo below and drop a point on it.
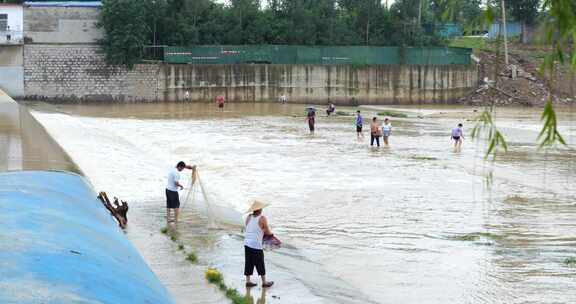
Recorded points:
(457, 136)
(256, 228)
(375, 132)
(386, 130)
(220, 102)
(331, 109)
(172, 187)
(359, 125)
(283, 99)
(311, 119)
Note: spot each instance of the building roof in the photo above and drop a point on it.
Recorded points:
(57, 3)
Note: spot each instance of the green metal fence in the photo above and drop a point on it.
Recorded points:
(287, 54)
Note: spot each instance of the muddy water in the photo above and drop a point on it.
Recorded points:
(25, 145)
(412, 223)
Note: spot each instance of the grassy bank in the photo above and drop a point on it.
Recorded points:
(475, 43)
(215, 277)
(212, 275)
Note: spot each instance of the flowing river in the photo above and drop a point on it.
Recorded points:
(414, 222)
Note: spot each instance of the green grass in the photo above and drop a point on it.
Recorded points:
(392, 114)
(180, 246)
(344, 113)
(466, 237)
(571, 261)
(475, 43)
(191, 257)
(170, 232)
(423, 157)
(476, 236)
(215, 277)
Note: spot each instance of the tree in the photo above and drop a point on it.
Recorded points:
(524, 11)
(125, 31)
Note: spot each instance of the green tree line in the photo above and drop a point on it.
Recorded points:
(131, 24)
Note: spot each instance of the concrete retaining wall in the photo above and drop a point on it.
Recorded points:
(319, 83)
(12, 70)
(79, 73)
(74, 73)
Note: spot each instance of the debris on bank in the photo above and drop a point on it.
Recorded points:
(118, 210)
(519, 83)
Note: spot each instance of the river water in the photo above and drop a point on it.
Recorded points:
(415, 222)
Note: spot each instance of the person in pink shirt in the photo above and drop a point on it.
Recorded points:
(220, 101)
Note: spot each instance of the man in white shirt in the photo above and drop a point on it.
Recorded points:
(172, 197)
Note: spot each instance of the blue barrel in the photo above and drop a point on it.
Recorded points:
(58, 244)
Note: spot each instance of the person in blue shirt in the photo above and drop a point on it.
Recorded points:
(457, 135)
(359, 124)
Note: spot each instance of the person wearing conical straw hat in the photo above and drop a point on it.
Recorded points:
(256, 228)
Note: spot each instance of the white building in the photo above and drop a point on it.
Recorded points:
(11, 23)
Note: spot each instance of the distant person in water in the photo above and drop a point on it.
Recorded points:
(172, 187)
(375, 132)
(255, 230)
(311, 119)
(331, 109)
(220, 101)
(359, 125)
(457, 137)
(283, 99)
(187, 95)
(386, 130)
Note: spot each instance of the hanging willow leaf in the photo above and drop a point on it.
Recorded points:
(549, 135)
(560, 34)
(496, 140)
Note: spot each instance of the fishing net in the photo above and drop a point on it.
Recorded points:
(216, 210)
(218, 213)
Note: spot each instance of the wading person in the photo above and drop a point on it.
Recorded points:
(457, 136)
(375, 132)
(283, 99)
(311, 119)
(172, 187)
(256, 228)
(386, 130)
(331, 109)
(220, 102)
(359, 125)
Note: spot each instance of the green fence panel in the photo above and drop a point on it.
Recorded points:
(284, 54)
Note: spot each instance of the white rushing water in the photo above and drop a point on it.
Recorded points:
(412, 223)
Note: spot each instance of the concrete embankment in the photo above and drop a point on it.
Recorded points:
(24, 143)
(79, 73)
(4, 98)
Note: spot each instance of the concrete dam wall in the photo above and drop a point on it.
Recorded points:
(79, 73)
(341, 84)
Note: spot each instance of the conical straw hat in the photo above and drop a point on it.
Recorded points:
(256, 205)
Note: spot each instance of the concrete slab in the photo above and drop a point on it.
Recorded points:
(4, 97)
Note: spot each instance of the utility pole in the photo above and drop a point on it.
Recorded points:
(505, 31)
(419, 13)
(154, 31)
